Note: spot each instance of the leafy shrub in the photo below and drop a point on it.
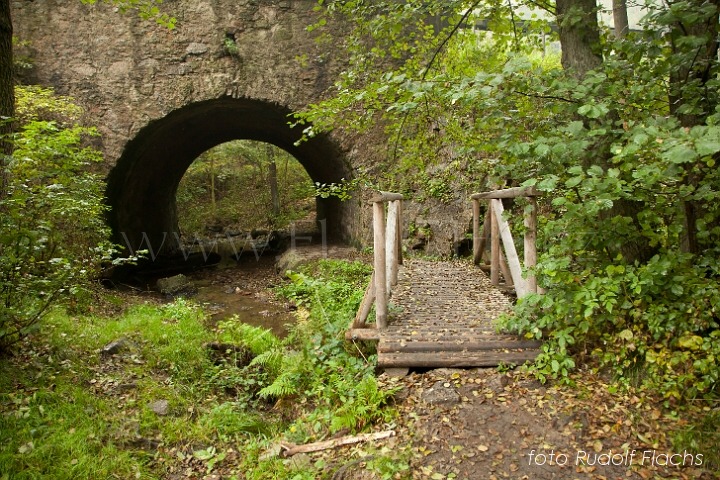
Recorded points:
(658, 314)
(52, 233)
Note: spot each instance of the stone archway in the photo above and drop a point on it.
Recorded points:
(142, 185)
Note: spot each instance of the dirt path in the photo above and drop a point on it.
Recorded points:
(484, 424)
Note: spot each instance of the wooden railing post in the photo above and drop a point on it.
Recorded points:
(380, 265)
(399, 236)
(386, 259)
(391, 248)
(477, 253)
(513, 261)
(530, 243)
(494, 247)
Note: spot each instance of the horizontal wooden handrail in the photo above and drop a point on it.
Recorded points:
(386, 197)
(508, 193)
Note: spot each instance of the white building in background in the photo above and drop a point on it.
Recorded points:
(635, 14)
(636, 11)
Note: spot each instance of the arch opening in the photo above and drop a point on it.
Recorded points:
(142, 186)
(244, 186)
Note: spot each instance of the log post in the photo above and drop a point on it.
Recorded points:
(399, 234)
(506, 271)
(499, 228)
(477, 253)
(365, 306)
(530, 240)
(391, 250)
(494, 246)
(380, 265)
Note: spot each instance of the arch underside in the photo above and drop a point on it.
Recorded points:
(142, 186)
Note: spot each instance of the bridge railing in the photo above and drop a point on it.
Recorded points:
(498, 229)
(387, 257)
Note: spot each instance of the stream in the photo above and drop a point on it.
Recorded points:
(241, 289)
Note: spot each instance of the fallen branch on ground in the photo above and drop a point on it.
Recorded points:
(290, 449)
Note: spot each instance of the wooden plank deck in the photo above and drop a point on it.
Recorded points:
(442, 315)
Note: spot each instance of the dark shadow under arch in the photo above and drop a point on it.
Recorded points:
(142, 185)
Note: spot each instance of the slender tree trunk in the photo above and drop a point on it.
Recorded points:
(620, 18)
(273, 180)
(213, 196)
(7, 92)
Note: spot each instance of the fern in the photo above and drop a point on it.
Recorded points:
(362, 406)
(283, 386)
(289, 370)
(257, 340)
(271, 360)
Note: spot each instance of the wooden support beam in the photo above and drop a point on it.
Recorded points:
(506, 271)
(456, 359)
(470, 345)
(510, 251)
(507, 193)
(485, 236)
(477, 252)
(386, 197)
(380, 265)
(365, 306)
(366, 334)
(399, 234)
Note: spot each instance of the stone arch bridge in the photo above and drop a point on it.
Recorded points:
(232, 69)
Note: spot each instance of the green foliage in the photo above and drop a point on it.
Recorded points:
(34, 446)
(325, 369)
(231, 182)
(341, 190)
(230, 46)
(52, 232)
(68, 411)
(702, 435)
(627, 174)
(231, 419)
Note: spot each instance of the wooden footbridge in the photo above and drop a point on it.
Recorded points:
(441, 313)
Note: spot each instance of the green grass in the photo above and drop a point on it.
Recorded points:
(67, 414)
(67, 411)
(702, 435)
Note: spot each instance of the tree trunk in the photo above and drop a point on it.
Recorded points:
(213, 194)
(7, 92)
(688, 81)
(620, 18)
(273, 180)
(579, 35)
(581, 52)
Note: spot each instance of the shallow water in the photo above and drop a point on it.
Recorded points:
(223, 303)
(242, 289)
